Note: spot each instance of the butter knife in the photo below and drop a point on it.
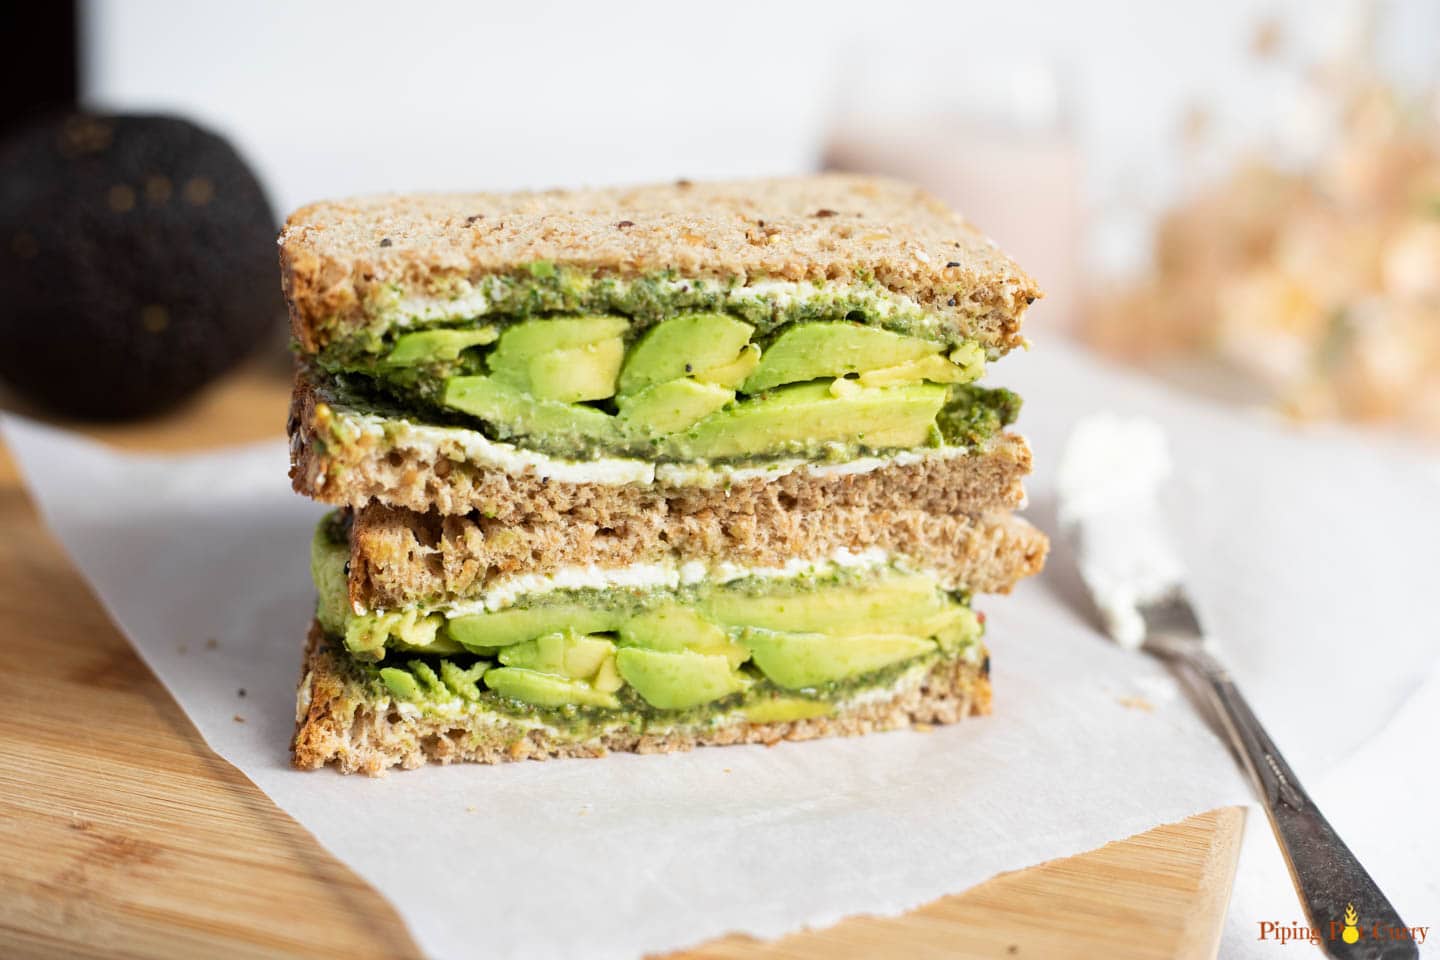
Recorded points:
(1111, 475)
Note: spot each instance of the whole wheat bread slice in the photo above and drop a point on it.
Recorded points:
(399, 557)
(383, 466)
(341, 260)
(340, 721)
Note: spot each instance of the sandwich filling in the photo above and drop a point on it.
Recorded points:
(655, 644)
(569, 365)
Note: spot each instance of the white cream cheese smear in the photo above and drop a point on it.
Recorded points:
(465, 298)
(651, 576)
(1111, 474)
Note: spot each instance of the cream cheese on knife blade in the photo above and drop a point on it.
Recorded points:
(1111, 474)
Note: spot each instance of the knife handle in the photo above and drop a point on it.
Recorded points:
(1327, 875)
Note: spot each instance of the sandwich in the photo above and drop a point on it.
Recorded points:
(649, 468)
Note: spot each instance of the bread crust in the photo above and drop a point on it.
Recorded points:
(376, 469)
(337, 724)
(399, 557)
(338, 258)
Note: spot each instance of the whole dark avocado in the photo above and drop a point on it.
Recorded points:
(137, 263)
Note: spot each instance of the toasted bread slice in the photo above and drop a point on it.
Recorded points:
(345, 263)
(342, 720)
(398, 557)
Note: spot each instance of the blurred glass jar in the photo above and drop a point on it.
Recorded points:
(991, 137)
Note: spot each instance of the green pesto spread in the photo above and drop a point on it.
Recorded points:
(543, 288)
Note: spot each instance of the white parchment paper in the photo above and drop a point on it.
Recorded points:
(1314, 555)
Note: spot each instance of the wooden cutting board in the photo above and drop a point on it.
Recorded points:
(123, 835)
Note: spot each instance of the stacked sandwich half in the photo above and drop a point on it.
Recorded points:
(650, 468)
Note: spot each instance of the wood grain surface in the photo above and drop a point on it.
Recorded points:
(123, 835)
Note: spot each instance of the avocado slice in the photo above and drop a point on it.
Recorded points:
(429, 681)
(928, 622)
(799, 660)
(564, 653)
(512, 412)
(735, 372)
(464, 682)
(782, 709)
(795, 419)
(366, 635)
(546, 690)
(675, 680)
(481, 631)
(809, 351)
(833, 610)
(521, 343)
(670, 407)
(441, 645)
(329, 556)
(682, 345)
(401, 683)
(672, 627)
(572, 374)
(429, 346)
(934, 368)
(962, 631)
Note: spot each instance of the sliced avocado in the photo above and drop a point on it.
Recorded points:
(809, 351)
(546, 690)
(521, 343)
(682, 345)
(585, 655)
(679, 679)
(429, 681)
(670, 407)
(673, 627)
(441, 645)
(367, 634)
(512, 412)
(572, 374)
(934, 369)
(735, 372)
(577, 656)
(799, 660)
(828, 609)
(969, 355)
(607, 678)
(463, 682)
(781, 709)
(400, 683)
(329, 556)
(480, 631)
(963, 631)
(799, 417)
(429, 346)
(915, 623)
